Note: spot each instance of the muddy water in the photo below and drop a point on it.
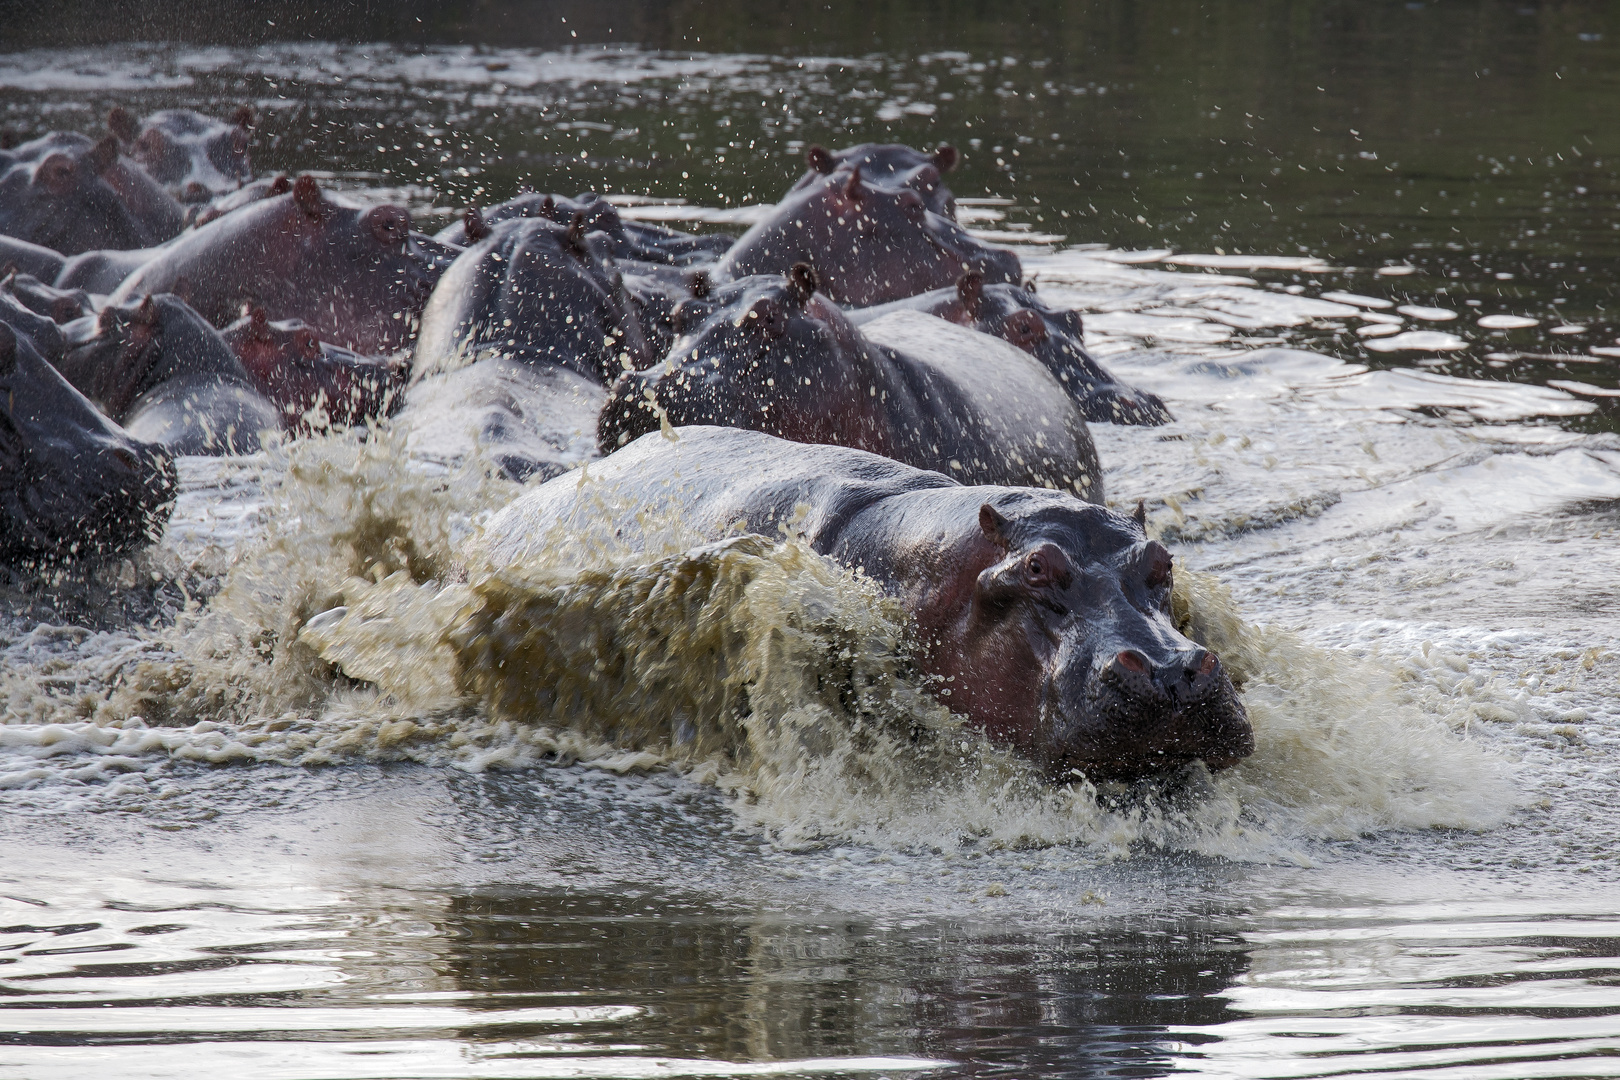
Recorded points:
(307, 791)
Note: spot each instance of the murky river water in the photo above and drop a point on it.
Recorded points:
(218, 855)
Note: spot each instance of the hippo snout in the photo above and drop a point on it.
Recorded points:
(1186, 678)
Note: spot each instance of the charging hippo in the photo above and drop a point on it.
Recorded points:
(69, 193)
(298, 372)
(890, 165)
(627, 239)
(194, 156)
(536, 292)
(1047, 618)
(72, 483)
(774, 355)
(1055, 338)
(868, 244)
(358, 277)
(157, 368)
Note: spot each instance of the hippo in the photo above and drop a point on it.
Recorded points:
(72, 483)
(246, 195)
(868, 244)
(890, 165)
(101, 271)
(69, 193)
(194, 156)
(1054, 338)
(772, 354)
(358, 277)
(31, 259)
(535, 292)
(58, 305)
(298, 372)
(158, 369)
(1046, 618)
(627, 239)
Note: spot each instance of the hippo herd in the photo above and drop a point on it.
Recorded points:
(856, 362)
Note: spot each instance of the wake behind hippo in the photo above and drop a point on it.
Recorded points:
(1047, 618)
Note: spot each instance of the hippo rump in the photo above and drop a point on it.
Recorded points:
(890, 165)
(72, 483)
(157, 368)
(358, 277)
(626, 239)
(1048, 617)
(1055, 338)
(868, 244)
(774, 355)
(195, 157)
(314, 384)
(69, 193)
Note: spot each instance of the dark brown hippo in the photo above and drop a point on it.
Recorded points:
(194, 156)
(358, 277)
(1056, 338)
(868, 244)
(1047, 618)
(72, 483)
(69, 193)
(626, 239)
(299, 373)
(40, 262)
(535, 292)
(159, 370)
(890, 165)
(773, 355)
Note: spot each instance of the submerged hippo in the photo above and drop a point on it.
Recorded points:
(66, 192)
(1055, 338)
(890, 165)
(298, 372)
(358, 277)
(158, 369)
(626, 239)
(868, 244)
(194, 156)
(1047, 618)
(72, 483)
(774, 355)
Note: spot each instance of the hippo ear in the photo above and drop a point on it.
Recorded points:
(853, 190)
(699, 285)
(147, 313)
(970, 289)
(259, 321)
(946, 157)
(307, 194)
(1029, 286)
(243, 116)
(473, 225)
(548, 206)
(1140, 515)
(803, 282)
(103, 155)
(820, 158)
(281, 184)
(121, 122)
(57, 174)
(994, 526)
(576, 234)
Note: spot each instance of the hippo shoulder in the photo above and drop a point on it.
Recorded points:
(993, 370)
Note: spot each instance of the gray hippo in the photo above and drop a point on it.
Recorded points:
(358, 277)
(66, 192)
(246, 195)
(774, 355)
(1047, 618)
(868, 244)
(194, 156)
(31, 259)
(890, 165)
(58, 305)
(158, 369)
(626, 239)
(299, 373)
(72, 483)
(1054, 338)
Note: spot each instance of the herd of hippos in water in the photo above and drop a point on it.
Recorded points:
(856, 362)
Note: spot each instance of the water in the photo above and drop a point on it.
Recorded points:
(405, 866)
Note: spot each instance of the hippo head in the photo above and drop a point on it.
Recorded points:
(72, 483)
(868, 244)
(129, 348)
(1067, 650)
(890, 165)
(767, 353)
(193, 155)
(297, 371)
(58, 305)
(599, 215)
(55, 196)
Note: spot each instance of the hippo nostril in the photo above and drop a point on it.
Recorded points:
(1131, 660)
(1208, 664)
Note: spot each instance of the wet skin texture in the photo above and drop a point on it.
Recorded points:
(1048, 616)
(298, 372)
(194, 156)
(156, 367)
(771, 354)
(72, 483)
(868, 244)
(889, 165)
(535, 292)
(358, 277)
(626, 239)
(1016, 315)
(68, 193)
